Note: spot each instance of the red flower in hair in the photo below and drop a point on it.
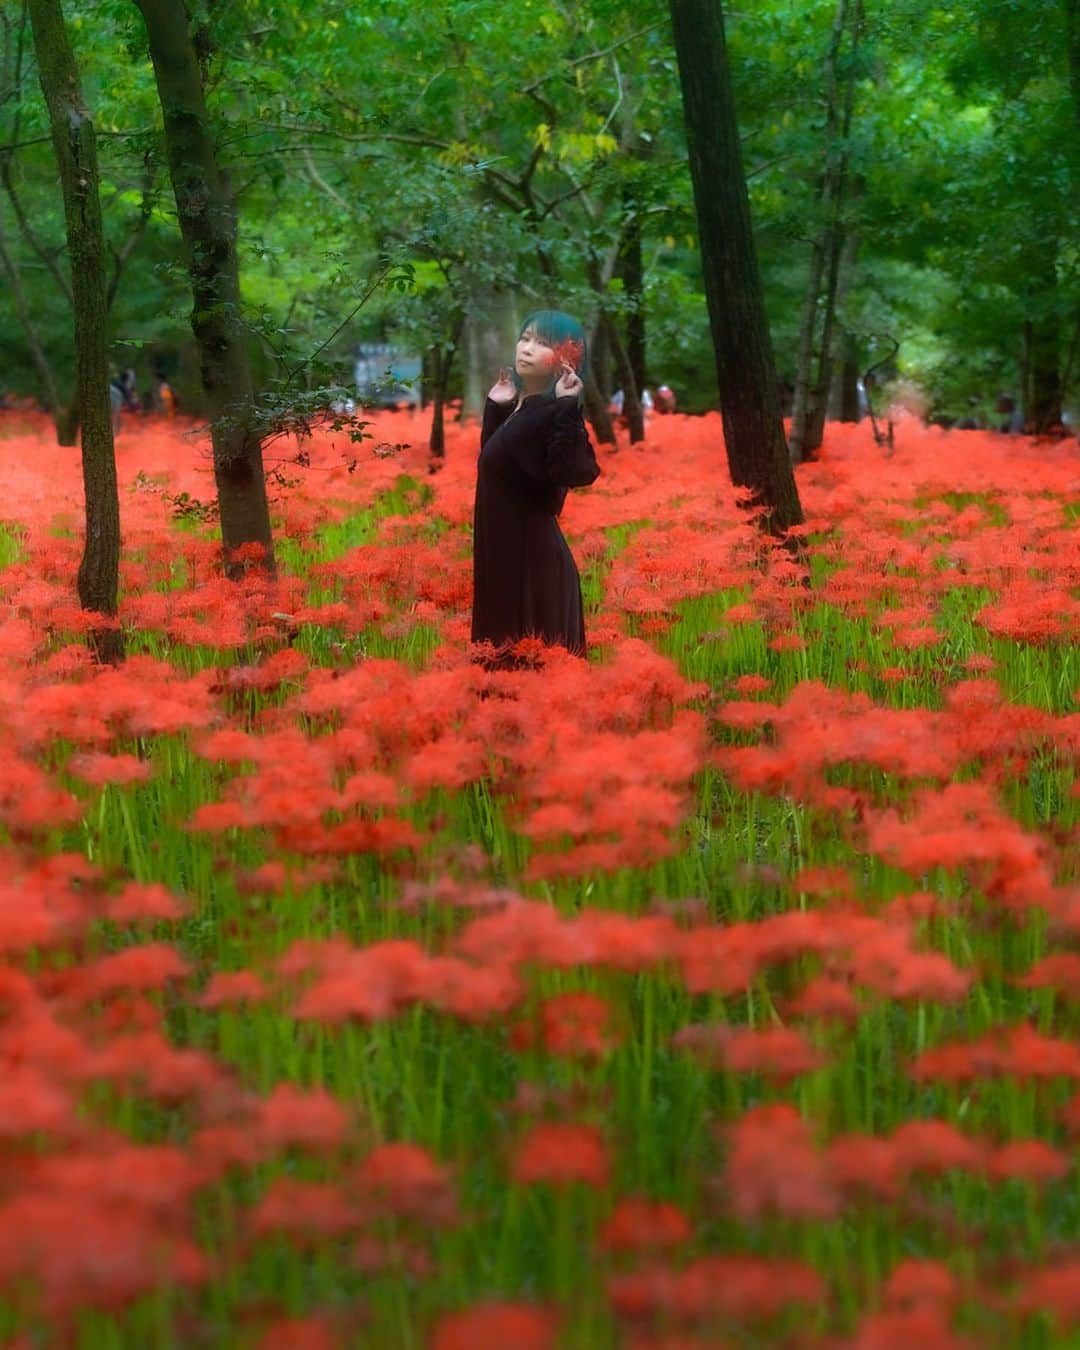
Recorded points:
(568, 352)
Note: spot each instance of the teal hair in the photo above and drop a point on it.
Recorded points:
(553, 326)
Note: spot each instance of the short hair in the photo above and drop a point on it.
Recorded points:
(557, 328)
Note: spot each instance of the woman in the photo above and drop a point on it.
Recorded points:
(533, 447)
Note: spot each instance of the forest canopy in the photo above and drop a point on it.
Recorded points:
(415, 175)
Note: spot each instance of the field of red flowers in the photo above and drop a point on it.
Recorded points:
(723, 990)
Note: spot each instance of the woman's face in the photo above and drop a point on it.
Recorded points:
(534, 355)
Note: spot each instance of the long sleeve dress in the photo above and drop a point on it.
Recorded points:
(525, 581)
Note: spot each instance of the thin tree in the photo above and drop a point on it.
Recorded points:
(76, 156)
(207, 218)
(826, 255)
(746, 372)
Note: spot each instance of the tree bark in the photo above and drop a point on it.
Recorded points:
(631, 271)
(632, 409)
(841, 403)
(745, 369)
(815, 422)
(596, 409)
(442, 363)
(600, 362)
(811, 390)
(1072, 43)
(207, 221)
(76, 157)
(1042, 341)
(848, 409)
(800, 404)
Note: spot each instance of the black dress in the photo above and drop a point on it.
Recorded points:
(525, 582)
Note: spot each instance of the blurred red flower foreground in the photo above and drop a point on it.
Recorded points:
(724, 989)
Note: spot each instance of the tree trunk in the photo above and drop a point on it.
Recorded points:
(1042, 341)
(632, 409)
(1072, 43)
(1044, 410)
(596, 409)
(207, 221)
(815, 423)
(842, 402)
(811, 391)
(437, 437)
(600, 362)
(848, 410)
(76, 156)
(440, 368)
(631, 271)
(800, 405)
(746, 371)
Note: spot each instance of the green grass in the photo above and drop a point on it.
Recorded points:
(425, 1077)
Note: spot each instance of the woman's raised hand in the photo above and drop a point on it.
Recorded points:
(568, 385)
(503, 390)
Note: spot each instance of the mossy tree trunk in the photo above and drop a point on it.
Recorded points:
(76, 157)
(206, 214)
(746, 370)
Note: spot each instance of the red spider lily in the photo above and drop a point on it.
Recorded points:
(1055, 1290)
(915, 1282)
(138, 902)
(31, 1103)
(639, 1224)
(884, 962)
(497, 1326)
(87, 1255)
(101, 769)
(773, 1166)
(567, 353)
(863, 1163)
(404, 1179)
(560, 1153)
(751, 684)
(743, 1288)
(299, 1333)
(1059, 970)
(229, 988)
(576, 1026)
(935, 1146)
(158, 1069)
(305, 1211)
(368, 984)
(1020, 1051)
(825, 999)
(152, 966)
(1028, 1160)
(290, 1118)
(925, 1325)
(777, 1052)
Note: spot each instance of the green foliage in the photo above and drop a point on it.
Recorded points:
(495, 151)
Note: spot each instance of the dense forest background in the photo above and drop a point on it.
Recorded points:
(422, 175)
